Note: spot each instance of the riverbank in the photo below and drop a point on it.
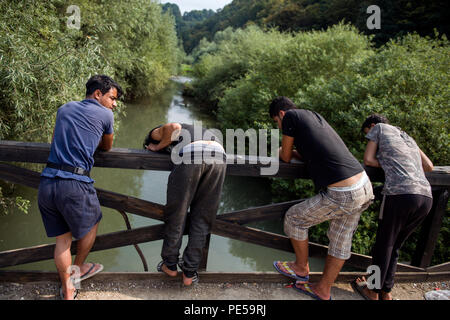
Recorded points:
(171, 290)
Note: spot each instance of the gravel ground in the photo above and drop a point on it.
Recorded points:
(159, 290)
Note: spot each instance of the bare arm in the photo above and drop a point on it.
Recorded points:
(164, 136)
(370, 155)
(426, 162)
(286, 152)
(106, 142)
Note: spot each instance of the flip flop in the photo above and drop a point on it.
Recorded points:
(290, 273)
(308, 291)
(159, 268)
(359, 288)
(61, 293)
(89, 274)
(195, 278)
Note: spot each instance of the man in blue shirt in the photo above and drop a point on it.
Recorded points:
(67, 199)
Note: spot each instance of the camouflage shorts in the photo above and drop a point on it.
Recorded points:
(341, 208)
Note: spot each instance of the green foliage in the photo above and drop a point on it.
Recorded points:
(398, 17)
(8, 203)
(340, 74)
(44, 64)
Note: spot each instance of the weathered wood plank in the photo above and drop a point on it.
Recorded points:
(102, 242)
(443, 267)
(17, 151)
(207, 277)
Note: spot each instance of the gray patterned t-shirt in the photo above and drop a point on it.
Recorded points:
(399, 156)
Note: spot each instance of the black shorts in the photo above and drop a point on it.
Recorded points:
(68, 205)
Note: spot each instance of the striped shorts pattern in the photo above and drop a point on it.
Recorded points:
(341, 208)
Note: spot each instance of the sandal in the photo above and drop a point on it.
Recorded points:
(89, 274)
(290, 273)
(195, 277)
(159, 268)
(307, 290)
(61, 293)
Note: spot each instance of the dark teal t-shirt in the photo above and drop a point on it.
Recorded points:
(79, 128)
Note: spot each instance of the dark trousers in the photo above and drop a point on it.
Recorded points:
(401, 215)
(197, 186)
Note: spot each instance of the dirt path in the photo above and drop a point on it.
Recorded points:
(160, 290)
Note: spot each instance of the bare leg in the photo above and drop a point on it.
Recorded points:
(84, 246)
(301, 265)
(63, 260)
(332, 268)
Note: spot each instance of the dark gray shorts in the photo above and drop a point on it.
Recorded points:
(68, 205)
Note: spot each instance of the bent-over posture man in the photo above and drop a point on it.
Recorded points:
(407, 197)
(196, 183)
(67, 199)
(345, 192)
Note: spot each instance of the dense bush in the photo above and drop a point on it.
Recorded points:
(44, 64)
(340, 74)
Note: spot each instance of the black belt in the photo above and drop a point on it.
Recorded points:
(62, 167)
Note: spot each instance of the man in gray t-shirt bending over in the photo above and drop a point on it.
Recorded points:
(407, 196)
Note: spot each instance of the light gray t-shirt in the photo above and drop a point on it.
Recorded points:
(399, 156)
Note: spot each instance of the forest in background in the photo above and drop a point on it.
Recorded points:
(399, 17)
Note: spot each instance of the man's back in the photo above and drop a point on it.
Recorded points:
(79, 128)
(326, 155)
(400, 159)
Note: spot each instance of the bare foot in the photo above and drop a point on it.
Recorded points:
(68, 291)
(302, 272)
(170, 273)
(385, 296)
(188, 281)
(372, 295)
(314, 288)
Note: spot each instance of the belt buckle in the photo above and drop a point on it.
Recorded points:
(79, 171)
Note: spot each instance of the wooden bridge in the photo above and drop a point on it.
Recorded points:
(231, 224)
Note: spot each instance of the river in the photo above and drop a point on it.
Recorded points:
(18, 230)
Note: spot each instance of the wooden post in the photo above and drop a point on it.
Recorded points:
(430, 229)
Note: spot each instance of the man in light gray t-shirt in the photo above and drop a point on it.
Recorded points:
(407, 197)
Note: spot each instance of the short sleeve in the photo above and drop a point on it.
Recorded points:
(374, 133)
(287, 125)
(109, 123)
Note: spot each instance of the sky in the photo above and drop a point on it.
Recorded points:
(188, 5)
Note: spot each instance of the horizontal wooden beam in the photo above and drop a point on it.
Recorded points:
(33, 152)
(102, 242)
(209, 277)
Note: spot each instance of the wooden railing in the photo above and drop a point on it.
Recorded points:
(231, 225)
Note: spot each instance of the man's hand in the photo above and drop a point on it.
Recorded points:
(152, 147)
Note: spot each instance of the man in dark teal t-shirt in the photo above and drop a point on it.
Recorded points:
(67, 199)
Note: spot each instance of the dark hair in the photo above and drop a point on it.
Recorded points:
(373, 118)
(149, 139)
(280, 104)
(102, 83)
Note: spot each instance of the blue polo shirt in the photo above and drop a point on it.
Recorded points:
(79, 128)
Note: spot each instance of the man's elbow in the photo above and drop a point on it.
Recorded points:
(428, 167)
